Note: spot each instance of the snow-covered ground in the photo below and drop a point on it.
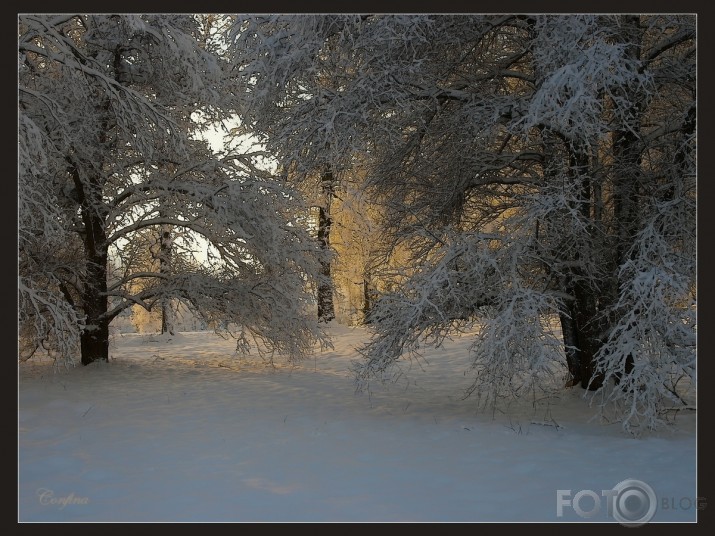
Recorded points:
(182, 430)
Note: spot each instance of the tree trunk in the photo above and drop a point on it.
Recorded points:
(589, 336)
(581, 332)
(368, 298)
(94, 340)
(571, 347)
(167, 317)
(326, 307)
(627, 163)
(582, 324)
(167, 313)
(585, 323)
(626, 151)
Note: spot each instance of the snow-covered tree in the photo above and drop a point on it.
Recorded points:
(537, 168)
(107, 152)
(291, 66)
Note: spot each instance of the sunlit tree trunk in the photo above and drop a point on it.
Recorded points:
(167, 313)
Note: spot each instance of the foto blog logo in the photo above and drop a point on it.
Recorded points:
(630, 502)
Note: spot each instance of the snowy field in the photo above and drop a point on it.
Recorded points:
(181, 430)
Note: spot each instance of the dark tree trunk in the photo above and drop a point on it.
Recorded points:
(627, 166)
(571, 347)
(582, 324)
(326, 307)
(626, 191)
(581, 331)
(626, 151)
(94, 340)
(368, 299)
(94, 343)
(589, 335)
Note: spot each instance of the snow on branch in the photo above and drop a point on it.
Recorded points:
(657, 324)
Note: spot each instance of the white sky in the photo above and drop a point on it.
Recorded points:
(179, 430)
